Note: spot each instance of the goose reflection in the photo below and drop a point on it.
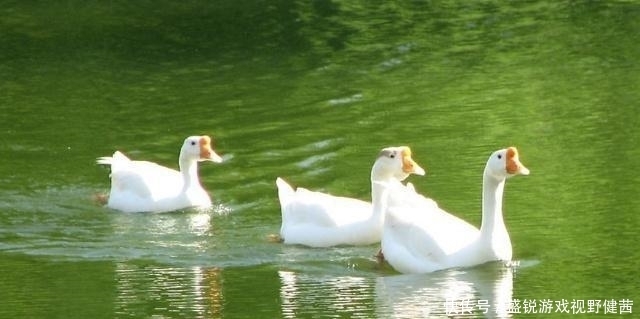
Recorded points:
(161, 237)
(480, 292)
(325, 295)
(185, 292)
(165, 239)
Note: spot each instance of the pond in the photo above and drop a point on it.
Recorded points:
(311, 91)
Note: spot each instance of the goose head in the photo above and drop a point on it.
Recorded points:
(395, 162)
(198, 148)
(505, 163)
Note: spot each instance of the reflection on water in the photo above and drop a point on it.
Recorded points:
(485, 291)
(156, 291)
(163, 237)
(303, 294)
(196, 223)
(459, 292)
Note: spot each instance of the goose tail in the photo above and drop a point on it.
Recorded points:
(109, 160)
(285, 192)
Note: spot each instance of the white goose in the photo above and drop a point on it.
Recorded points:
(420, 237)
(141, 186)
(320, 220)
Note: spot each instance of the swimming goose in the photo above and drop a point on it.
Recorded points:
(420, 237)
(141, 186)
(321, 220)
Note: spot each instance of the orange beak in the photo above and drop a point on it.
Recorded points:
(206, 152)
(513, 165)
(409, 166)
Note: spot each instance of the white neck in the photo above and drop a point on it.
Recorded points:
(378, 201)
(189, 170)
(378, 179)
(492, 220)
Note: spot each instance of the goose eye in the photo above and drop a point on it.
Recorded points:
(193, 143)
(499, 156)
(392, 155)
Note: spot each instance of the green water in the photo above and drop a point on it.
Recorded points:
(310, 91)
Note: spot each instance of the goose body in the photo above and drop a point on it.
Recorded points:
(142, 186)
(317, 219)
(420, 237)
